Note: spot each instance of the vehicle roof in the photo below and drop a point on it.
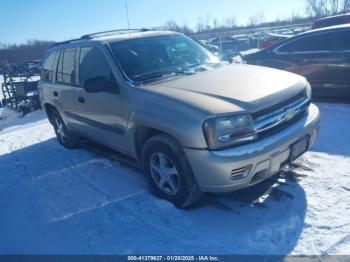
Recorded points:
(110, 37)
(132, 35)
(333, 16)
(328, 28)
(310, 32)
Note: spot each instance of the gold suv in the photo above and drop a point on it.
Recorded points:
(192, 122)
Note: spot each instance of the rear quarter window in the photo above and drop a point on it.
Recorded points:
(48, 67)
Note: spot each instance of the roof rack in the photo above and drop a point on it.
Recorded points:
(103, 33)
(66, 42)
(113, 32)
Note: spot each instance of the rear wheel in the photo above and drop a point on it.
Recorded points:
(64, 136)
(170, 175)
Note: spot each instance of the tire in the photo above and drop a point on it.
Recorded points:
(169, 173)
(64, 136)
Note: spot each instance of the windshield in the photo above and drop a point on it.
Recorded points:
(156, 56)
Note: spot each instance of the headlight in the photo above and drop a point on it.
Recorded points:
(227, 131)
(308, 91)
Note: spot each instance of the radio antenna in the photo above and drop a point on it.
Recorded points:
(127, 15)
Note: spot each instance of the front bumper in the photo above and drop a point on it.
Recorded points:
(244, 166)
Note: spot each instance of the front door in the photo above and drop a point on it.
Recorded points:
(101, 110)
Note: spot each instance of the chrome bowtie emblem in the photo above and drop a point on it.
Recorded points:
(289, 115)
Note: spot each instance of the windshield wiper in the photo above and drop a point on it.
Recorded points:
(158, 74)
(195, 66)
(151, 75)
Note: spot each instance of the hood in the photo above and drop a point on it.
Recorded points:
(236, 87)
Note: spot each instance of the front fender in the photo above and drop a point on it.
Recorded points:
(185, 129)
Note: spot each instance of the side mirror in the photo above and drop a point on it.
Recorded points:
(100, 84)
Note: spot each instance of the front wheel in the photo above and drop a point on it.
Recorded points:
(170, 175)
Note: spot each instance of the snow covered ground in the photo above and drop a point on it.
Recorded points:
(59, 201)
(1, 81)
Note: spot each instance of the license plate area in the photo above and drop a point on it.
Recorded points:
(299, 148)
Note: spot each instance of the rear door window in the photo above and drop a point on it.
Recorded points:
(48, 66)
(343, 41)
(313, 43)
(66, 67)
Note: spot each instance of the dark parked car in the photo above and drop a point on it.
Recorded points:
(230, 46)
(322, 56)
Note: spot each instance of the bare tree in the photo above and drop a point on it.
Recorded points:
(200, 27)
(186, 29)
(315, 8)
(295, 16)
(346, 5)
(208, 21)
(333, 6)
(256, 19)
(215, 23)
(171, 25)
(230, 22)
(320, 8)
(32, 50)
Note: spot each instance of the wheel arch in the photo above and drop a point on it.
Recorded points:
(142, 134)
(49, 108)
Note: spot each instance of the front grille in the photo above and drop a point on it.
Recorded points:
(280, 127)
(279, 105)
(280, 118)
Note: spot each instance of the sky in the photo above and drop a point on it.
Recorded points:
(59, 20)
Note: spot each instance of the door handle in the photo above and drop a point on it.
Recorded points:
(55, 93)
(81, 99)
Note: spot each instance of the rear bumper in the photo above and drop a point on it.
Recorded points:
(244, 166)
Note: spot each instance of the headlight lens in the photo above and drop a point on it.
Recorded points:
(308, 91)
(227, 131)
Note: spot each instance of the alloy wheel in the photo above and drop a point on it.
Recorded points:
(60, 130)
(164, 173)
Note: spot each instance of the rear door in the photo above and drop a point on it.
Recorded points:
(342, 87)
(63, 92)
(101, 112)
(313, 56)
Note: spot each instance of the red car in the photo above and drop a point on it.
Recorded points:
(271, 39)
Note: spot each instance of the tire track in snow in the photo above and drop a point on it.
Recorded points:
(335, 248)
(23, 127)
(72, 168)
(69, 215)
